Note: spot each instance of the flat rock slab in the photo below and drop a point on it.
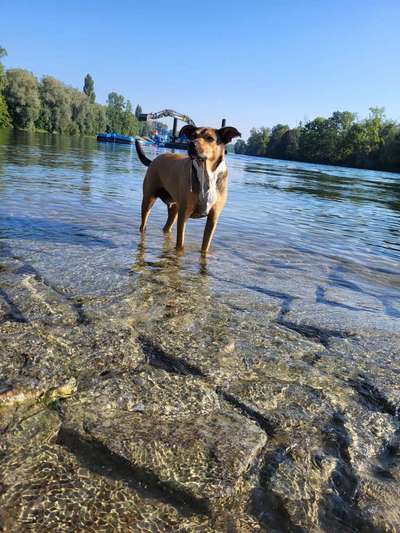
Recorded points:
(45, 487)
(174, 429)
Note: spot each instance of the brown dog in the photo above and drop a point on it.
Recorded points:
(192, 186)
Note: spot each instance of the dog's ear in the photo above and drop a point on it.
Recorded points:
(188, 131)
(227, 134)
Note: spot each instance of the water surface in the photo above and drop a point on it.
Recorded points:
(326, 238)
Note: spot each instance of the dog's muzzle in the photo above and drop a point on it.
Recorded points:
(192, 152)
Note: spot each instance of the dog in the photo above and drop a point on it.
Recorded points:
(193, 185)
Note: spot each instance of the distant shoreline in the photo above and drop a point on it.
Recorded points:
(341, 140)
(230, 152)
(341, 165)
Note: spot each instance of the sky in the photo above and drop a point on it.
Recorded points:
(255, 63)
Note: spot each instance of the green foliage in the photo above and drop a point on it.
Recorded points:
(5, 119)
(3, 52)
(240, 147)
(22, 97)
(258, 141)
(120, 117)
(115, 111)
(56, 108)
(52, 106)
(276, 146)
(338, 140)
(291, 141)
(99, 118)
(88, 88)
(138, 110)
(130, 122)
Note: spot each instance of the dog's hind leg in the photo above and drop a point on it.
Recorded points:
(147, 204)
(172, 214)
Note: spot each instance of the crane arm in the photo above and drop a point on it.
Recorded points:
(165, 113)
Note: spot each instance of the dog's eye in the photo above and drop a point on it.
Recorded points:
(208, 138)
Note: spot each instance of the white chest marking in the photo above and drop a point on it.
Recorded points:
(208, 183)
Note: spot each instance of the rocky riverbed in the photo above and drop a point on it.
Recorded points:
(165, 407)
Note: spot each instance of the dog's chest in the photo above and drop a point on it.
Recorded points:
(207, 185)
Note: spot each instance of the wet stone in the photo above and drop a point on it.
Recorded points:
(198, 413)
(183, 437)
(55, 493)
(29, 298)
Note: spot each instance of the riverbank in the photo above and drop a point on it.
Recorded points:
(347, 164)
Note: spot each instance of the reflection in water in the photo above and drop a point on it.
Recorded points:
(342, 184)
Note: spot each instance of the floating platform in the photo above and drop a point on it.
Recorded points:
(115, 138)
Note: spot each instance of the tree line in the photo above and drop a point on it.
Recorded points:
(341, 139)
(50, 105)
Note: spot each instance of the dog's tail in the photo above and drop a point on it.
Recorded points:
(143, 158)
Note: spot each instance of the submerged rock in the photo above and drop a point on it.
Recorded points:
(152, 411)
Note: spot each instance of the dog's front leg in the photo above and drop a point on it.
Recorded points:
(209, 230)
(180, 235)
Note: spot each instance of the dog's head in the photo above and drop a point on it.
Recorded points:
(208, 143)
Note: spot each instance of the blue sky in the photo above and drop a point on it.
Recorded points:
(256, 63)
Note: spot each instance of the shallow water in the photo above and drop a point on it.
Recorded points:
(321, 235)
(255, 390)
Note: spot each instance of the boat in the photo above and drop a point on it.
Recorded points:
(115, 138)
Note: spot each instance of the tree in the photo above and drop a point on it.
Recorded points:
(276, 146)
(318, 141)
(290, 141)
(56, 113)
(130, 123)
(99, 118)
(258, 141)
(138, 111)
(22, 97)
(240, 147)
(5, 119)
(3, 53)
(88, 88)
(342, 121)
(115, 111)
(390, 158)
(81, 112)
